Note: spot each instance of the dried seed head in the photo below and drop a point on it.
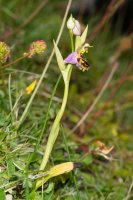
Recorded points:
(37, 47)
(4, 52)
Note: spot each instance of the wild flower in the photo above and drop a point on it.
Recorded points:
(30, 88)
(37, 47)
(79, 47)
(5, 52)
(76, 58)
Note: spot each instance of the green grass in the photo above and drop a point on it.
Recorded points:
(21, 150)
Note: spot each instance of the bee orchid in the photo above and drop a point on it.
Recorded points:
(76, 58)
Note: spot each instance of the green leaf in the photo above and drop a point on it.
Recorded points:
(88, 160)
(49, 192)
(2, 136)
(2, 195)
(84, 35)
(11, 167)
(59, 58)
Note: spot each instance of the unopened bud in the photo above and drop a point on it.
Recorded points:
(77, 29)
(74, 26)
(71, 23)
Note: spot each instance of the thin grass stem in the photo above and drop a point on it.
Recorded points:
(55, 128)
(10, 96)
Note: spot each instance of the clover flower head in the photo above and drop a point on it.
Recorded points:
(76, 58)
(74, 26)
(5, 52)
(37, 47)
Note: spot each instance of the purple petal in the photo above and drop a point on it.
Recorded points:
(72, 58)
(77, 29)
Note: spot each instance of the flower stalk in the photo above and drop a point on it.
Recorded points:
(71, 38)
(56, 125)
(66, 71)
(55, 129)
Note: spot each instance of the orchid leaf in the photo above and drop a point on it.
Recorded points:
(59, 58)
(84, 35)
(61, 169)
(56, 171)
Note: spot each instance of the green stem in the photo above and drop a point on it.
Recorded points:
(44, 124)
(71, 38)
(16, 103)
(9, 91)
(55, 128)
(14, 107)
(10, 97)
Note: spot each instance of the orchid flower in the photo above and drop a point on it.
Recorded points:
(65, 66)
(76, 58)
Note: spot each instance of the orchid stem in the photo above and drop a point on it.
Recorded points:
(72, 42)
(55, 128)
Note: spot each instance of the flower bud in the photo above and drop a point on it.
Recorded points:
(77, 29)
(71, 23)
(74, 26)
(37, 47)
(4, 52)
